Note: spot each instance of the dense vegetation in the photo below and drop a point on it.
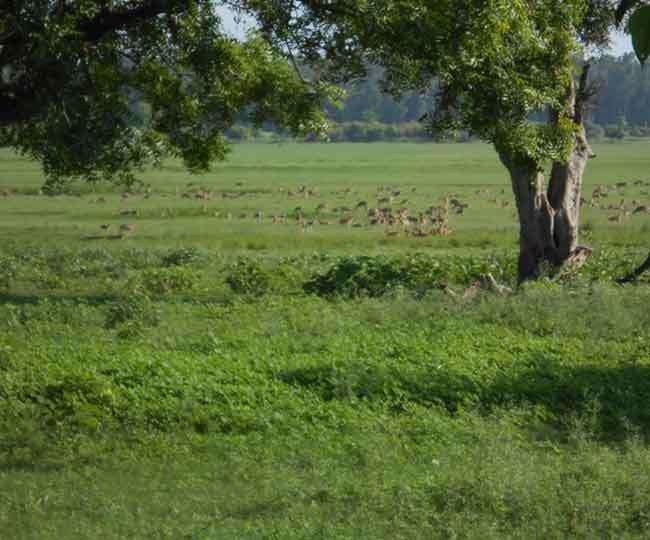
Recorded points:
(172, 393)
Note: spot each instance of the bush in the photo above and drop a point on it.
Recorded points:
(638, 131)
(182, 256)
(377, 276)
(355, 132)
(375, 132)
(176, 279)
(8, 270)
(615, 132)
(132, 315)
(595, 132)
(249, 277)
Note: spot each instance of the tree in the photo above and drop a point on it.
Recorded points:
(69, 70)
(497, 63)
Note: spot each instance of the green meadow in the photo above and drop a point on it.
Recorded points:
(261, 178)
(219, 357)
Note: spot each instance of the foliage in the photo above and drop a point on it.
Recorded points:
(132, 315)
(526, 412)
(182, 256)
(70, 74)
(486, 84)
(177, 279)
(251, 277)
(377, 276)
(8, 270)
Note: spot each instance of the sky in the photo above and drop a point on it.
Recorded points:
(621, 42)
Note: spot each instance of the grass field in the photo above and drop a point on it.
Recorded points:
(259, 177)
(213, 377)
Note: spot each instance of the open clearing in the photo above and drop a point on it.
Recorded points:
(220, 210)
(194, 370)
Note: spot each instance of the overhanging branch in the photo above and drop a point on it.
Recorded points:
(108, 20)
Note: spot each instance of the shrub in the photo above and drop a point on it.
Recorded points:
(176, 279)
(375, 132)
(594, 131)
(615, 132)
(354, 132)
(376, 276)
(182, 256)
(132, 315)
(8, 270)
(249, 277)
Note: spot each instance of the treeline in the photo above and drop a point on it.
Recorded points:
(620, 109)
(413, 131)
(623, 97)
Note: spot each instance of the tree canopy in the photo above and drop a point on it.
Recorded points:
(68, 71)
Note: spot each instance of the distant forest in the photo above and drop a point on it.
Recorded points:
(621, 108)
(623, 96)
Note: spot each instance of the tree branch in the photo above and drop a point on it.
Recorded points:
(107, 20)
(632, 276)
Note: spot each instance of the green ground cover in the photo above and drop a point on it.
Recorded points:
(209, 378)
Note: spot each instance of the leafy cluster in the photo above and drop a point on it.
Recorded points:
(71, 73)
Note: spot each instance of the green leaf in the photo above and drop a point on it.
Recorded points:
(640, 30)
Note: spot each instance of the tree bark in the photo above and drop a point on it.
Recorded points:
(536, 217)
(549, 218)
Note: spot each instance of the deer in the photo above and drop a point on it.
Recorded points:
(127, 229)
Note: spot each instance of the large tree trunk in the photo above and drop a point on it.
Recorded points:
(549, 218)
(536, 218)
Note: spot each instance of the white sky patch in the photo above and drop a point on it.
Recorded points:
(234, 25)
(621, 44)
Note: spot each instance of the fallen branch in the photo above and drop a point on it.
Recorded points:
(485, 282)
(634, 275)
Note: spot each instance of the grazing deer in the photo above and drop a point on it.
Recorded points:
(347, 221)
(618, 218)
(127, 229)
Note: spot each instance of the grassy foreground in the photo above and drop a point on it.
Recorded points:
(175, 394)
(206, 378)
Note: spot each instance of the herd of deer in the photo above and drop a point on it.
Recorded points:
(389, 212)
(623, 211)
